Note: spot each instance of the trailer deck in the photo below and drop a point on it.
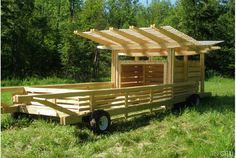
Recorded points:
(70, 105)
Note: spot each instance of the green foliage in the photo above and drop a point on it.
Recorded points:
(203, 131)
(38, 40)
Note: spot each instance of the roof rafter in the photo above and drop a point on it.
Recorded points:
(129, 36)
(110, 37)
(98, 40)
(148, 35)
(169, 34)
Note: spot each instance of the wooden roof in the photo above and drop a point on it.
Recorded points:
(148, 41)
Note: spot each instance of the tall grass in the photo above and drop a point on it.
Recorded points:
(203, 131)
(45, 81)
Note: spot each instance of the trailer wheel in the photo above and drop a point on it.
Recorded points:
(100, 121)
(16, 115)
(193, 100)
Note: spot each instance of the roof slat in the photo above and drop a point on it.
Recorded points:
(98, 40)
(110, 37)
(129, 36)
(172, 34)
(148, 41)
(148, 35)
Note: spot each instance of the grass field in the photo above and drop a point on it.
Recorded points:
(196, 132)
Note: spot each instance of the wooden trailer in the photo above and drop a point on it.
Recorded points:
(152, 69)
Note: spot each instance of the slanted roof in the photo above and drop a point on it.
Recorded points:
(148, 41)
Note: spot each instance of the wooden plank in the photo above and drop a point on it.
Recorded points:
(15, 90)
(193, 63)
(131, 84)
(132, 78)
(129, 36)
(194, 74)
(71, 119)
(171, 64)
(139, 107)
(9, 109)
(25, 98)
(98, 102)
(141, 62)
(171, 35)
(194, 69)
(109, 106)
(96, 39)
(113, 68)
(49, 90)
(110, 37)
(53, 106)
(179, 70)
(154, 38)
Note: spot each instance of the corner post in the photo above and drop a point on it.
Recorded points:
(202, 64)
(170, 66)
(114, 69)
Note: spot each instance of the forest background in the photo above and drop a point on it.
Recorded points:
(38, 41)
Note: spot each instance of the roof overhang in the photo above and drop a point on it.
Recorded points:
(148, 41)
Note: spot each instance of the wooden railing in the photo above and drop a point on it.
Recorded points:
(116, 101)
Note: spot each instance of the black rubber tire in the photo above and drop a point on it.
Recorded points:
(100, 121)
(193, 100)
(16, 115)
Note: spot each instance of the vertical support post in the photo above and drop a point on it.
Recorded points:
(118, 72)
(171, 63)
(202, 64)
(170, 66)
(136, 58)
(185, 67)
(114, 69)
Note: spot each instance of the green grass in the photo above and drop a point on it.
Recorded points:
(203, 131)
(45, 81)
(36, 81)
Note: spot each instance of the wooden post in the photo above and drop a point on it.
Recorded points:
(170, 66)
(185, 67)
(202, 64)
(118, 72)
(136, 58)
(114, 68)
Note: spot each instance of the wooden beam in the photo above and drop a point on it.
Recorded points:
(96, 39)
(169, 34)
(128, 36)
(53, 106)
(110, 37)
(202, 64)
(154, 38)
(113, 68)
(171, 64)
